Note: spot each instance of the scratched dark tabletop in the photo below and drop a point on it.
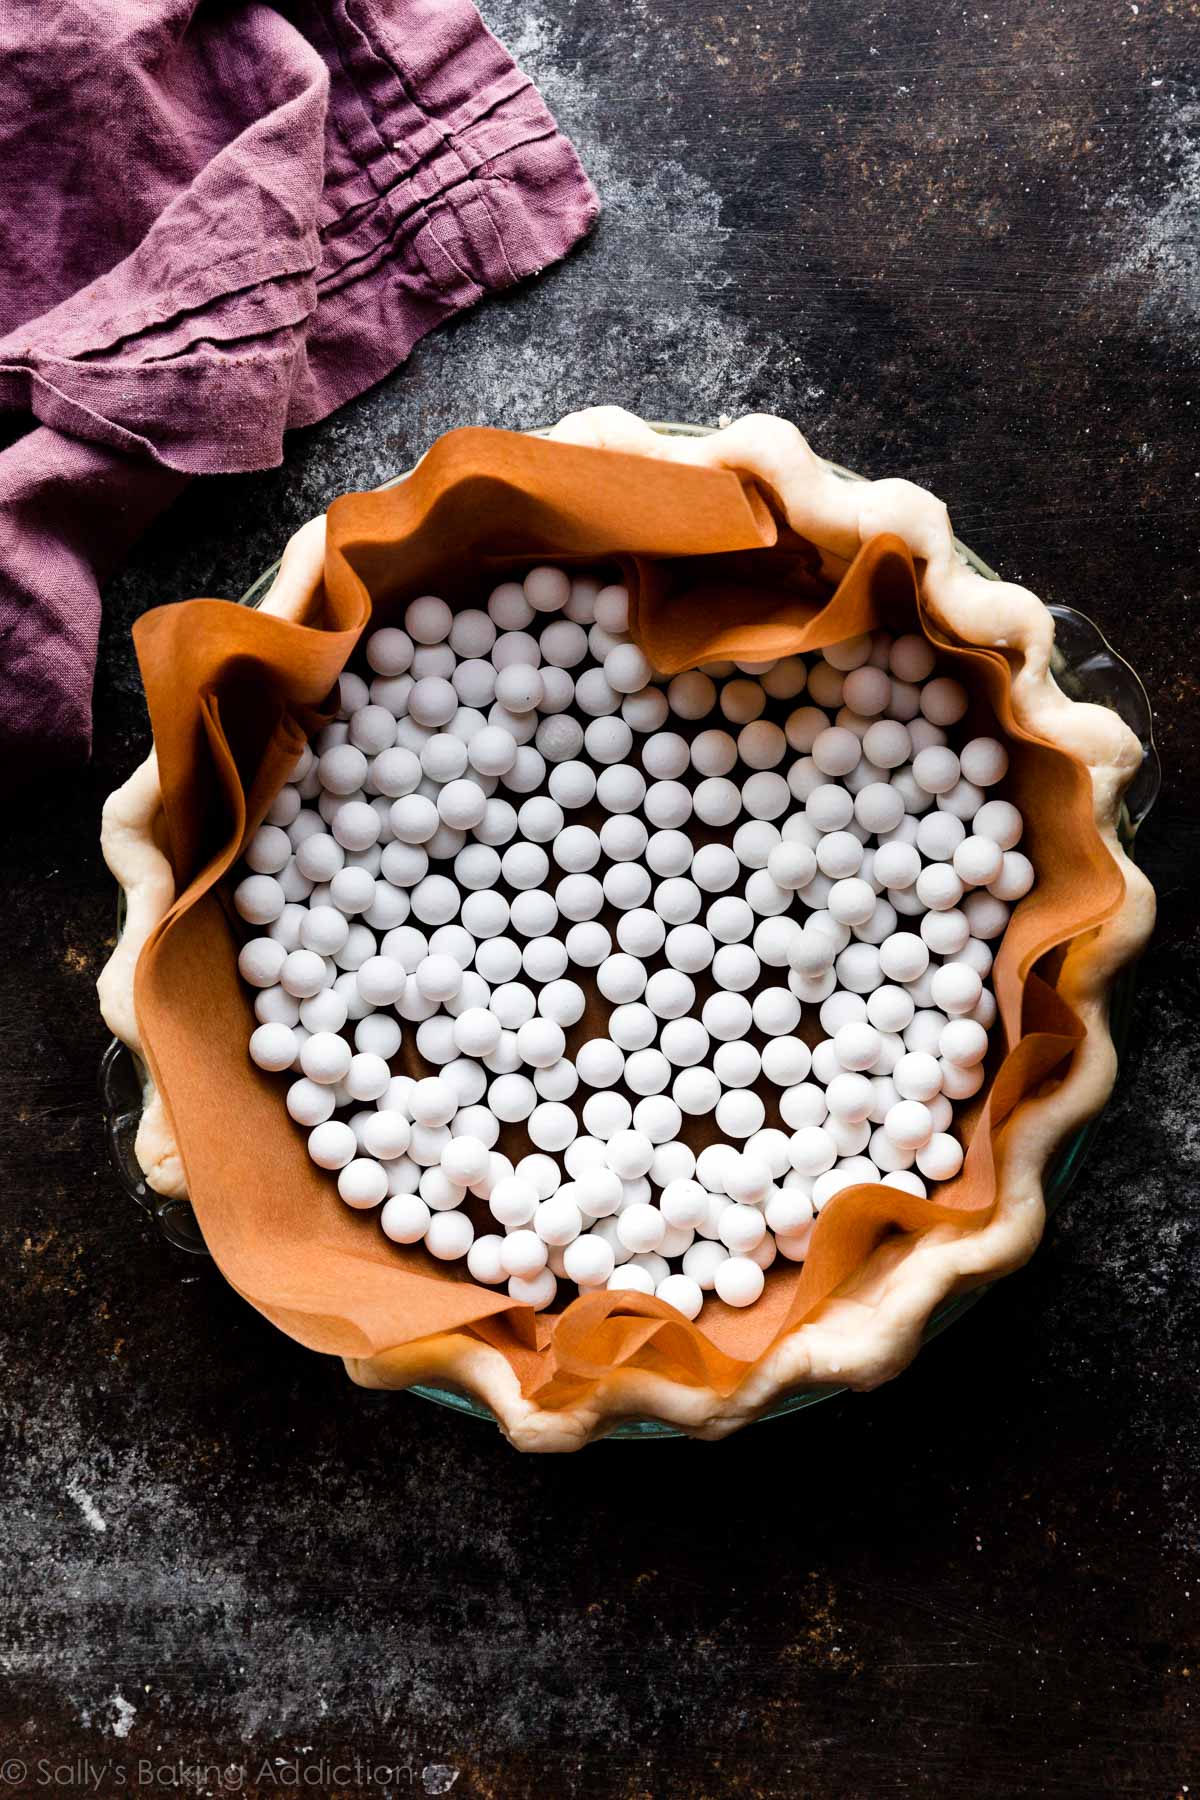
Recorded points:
(959, 243)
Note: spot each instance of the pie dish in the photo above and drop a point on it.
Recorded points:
(871, 1325)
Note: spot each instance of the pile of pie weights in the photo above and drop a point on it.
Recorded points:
(767, 842)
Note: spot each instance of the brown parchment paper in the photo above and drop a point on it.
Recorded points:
(233, 694)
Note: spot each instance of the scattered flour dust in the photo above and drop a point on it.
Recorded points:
(87, 1506)
(438, 1778)
(656, 274)
(123, 1716)
(1160, 214)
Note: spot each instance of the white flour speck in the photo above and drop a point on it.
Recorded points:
(87, 1506)
(124, 1716)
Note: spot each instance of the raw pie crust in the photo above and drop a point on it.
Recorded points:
(872, 1327)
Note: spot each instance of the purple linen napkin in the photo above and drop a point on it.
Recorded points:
(220, 221)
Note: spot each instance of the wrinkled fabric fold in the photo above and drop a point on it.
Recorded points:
(226, 221)
(711, 574)
(69, 512)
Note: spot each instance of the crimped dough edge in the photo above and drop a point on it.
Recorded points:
(873, 1327)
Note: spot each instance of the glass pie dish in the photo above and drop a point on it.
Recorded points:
(1086, 668)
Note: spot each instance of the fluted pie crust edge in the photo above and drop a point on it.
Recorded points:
(872, 1328)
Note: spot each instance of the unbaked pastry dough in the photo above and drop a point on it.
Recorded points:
(872, 1328)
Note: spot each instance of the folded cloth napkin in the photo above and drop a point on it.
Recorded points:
(221, 219)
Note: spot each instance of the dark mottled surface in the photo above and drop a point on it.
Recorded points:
(958, 242)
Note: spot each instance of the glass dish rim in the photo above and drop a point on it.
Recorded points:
(120, 1069)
